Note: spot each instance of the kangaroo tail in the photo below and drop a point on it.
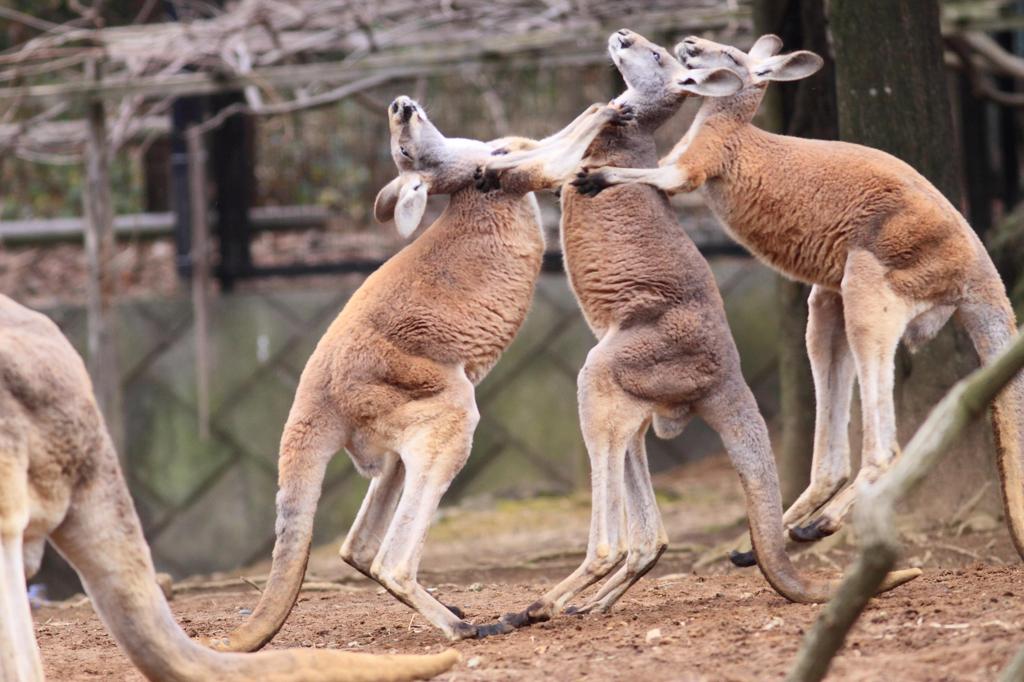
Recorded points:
(306, 447)
(991, 326)
(733, 413)
(102, 538)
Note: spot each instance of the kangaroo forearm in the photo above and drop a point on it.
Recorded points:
(551, 163)
(671, 179)
(574, 126)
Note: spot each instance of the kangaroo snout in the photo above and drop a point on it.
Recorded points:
(625, 38)
(403, 107)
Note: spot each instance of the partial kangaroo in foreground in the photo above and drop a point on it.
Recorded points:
(60, 479)
(392, 380)
(888, 256)
(665, 353)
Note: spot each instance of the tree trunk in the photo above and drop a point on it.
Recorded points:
(805, 108)
(891, 84)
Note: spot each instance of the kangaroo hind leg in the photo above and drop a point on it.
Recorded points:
(434, 449)
(19, 654)
(876, 317)
(646, 538)
(371, 523)
(833, 370)
(610, 419)
(366, 535)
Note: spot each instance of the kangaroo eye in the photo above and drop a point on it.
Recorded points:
(657, 56)
(405, 152)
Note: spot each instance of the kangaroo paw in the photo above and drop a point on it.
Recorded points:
(589, 184)
(486, 180)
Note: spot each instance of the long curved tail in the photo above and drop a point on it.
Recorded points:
(103, 540)
(991, 326)
(306, 447)
(734, 414)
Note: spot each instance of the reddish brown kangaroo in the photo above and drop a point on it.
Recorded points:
(664, 349)
(60, 480)
(889, 256)
(392, 380)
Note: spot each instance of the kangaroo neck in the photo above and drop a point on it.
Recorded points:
(495, 213)
(630, 147)
(738, 109)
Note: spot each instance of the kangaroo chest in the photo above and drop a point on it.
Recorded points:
(627, 256)
(464, 288)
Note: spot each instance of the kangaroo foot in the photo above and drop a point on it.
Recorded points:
(534, 613)
(743, 559)
(813, 531)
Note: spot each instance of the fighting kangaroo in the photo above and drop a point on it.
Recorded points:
(392, 380)
(888, 256)
(60, 479)
(664, 353)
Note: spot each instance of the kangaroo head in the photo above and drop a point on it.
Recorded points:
(656, 82)
(761, 64)
(428, 163)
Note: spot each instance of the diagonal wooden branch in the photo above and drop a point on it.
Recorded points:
(1005, 63)
(874, 520)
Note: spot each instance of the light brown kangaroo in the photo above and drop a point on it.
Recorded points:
(664, 352)
(60, 479)
(889, 256)
(392, 380)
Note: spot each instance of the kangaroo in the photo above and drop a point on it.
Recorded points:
(60, 479)
(664, 351)
(888, 256)
(392, 380)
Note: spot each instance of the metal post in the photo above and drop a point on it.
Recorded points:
(200, 234)
(100, 257)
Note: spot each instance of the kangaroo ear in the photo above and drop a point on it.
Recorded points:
(787, 67)
(387, 197)
(404, 199)
(766, 46)
(412, 202)
(711, 82)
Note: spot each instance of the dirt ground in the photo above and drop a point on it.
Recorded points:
(962, 620)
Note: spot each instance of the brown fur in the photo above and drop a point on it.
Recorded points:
(888, 255)
(60, 479)
(664, 353)
(802, 205)
(392, 379)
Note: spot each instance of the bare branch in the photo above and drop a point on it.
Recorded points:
(966, 46)
(1005, 63)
